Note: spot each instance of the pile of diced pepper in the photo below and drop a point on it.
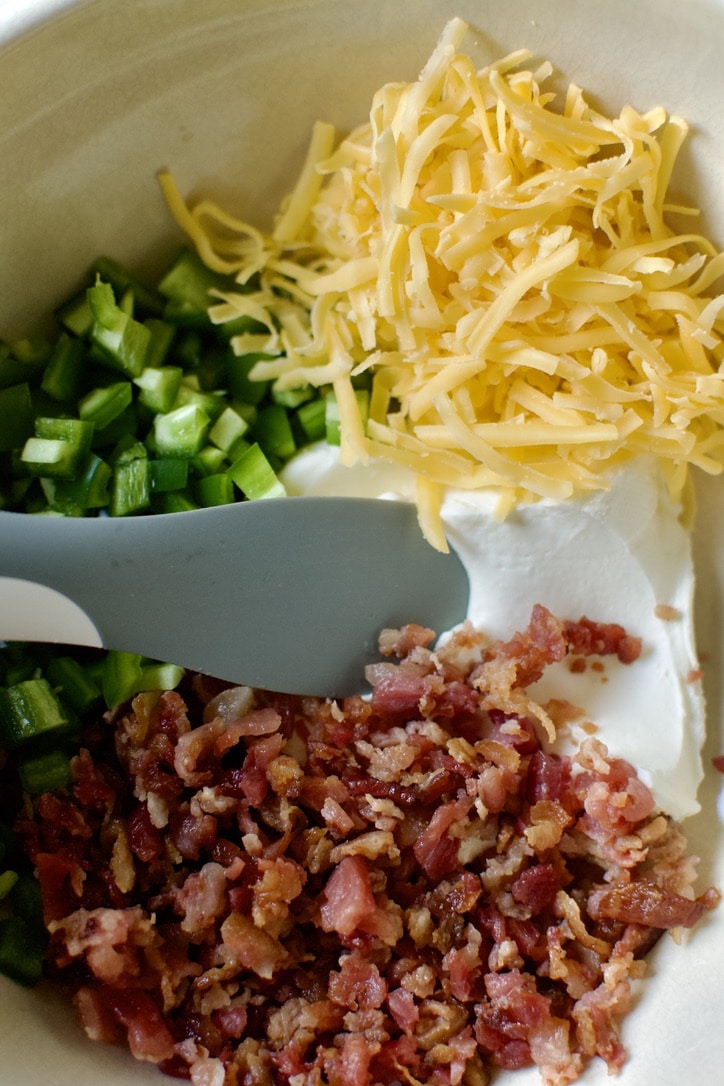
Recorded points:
(141, 405)
(137, 405)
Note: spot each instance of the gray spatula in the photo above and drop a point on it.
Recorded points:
(287, 594)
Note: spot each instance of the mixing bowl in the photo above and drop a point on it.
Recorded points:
(96, 96)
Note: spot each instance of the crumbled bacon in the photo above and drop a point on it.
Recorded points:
(250, 888)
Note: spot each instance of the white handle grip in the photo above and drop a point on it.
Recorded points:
(34, 612)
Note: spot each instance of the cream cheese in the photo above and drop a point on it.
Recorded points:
(621, 555)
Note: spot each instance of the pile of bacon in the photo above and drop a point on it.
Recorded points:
(253, 889)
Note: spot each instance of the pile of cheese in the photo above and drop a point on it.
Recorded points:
(504, 271)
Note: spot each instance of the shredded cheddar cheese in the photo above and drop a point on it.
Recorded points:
(503, 272)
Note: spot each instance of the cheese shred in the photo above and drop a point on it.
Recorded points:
(500, 273)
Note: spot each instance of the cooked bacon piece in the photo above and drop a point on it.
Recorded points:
(597, 1015)
(61, 884)
(256, 722)
(112, 941)
(352, 1065)
(148, 1035)
(397, 691)
(91, 788)
(202, 898)
(195, 751)
(616, 798)
(403, 1009)
(549, 777)
(144, 838)
(252, 781)
(509, 1016)
(357, 984)
(435, 849)
(96, 1016)
(404, 641)
(246, 887)
(193, 834)
(643, 902)
(232, 1021)
(249, 947)
(350, 906)
(586, 638)
(348, 898)
(537, 886)
(464, 965)
(543, 642)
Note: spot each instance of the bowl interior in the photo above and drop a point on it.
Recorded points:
(97, 96)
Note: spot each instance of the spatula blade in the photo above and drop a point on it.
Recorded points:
(286, 594)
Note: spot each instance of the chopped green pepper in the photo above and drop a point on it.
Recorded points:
(30, 709)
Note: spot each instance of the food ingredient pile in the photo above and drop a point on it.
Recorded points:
(253, 888)
(490, 286)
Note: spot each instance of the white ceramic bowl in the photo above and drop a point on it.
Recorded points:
(96, 95)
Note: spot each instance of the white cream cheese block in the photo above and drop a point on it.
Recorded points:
(621, 555)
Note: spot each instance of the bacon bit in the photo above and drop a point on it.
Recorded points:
(90, 788)
(550, 1049)
(232, 1021)
(61, 884)
(231, 704)
(548, 820)
(110, 940)
(202, 898)
(588, 638)
(542, 643)
(357, 984)
(143, 837)
(512, 1010)
(251, 947)
(257, 722)
(193, 747)
(596, 1015)
(570, 911)
(562, 712)
(403, 1009)
(121, 864)
(96, 1016)
(549, 777)
(350, 904)
(282, 881)
(666, 612)
(617, 800)
(148, 1036)
(372, 845)
(193, 834)
(396, 693)
(434, 849)
(403, 642)
(537, 886)
(464, 965)
(336, 817)
(645, 903)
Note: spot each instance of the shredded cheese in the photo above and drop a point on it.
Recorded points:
(504, 274)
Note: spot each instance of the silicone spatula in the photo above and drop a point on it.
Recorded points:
(287, 594)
